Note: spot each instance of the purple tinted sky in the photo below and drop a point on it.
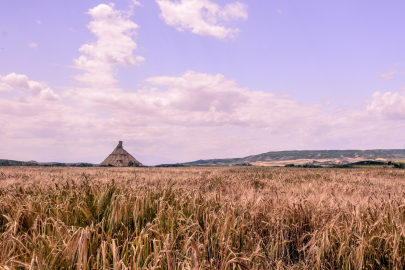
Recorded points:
(297, 75)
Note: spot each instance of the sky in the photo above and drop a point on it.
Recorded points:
(182, 80)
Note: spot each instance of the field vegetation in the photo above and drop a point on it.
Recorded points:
(202, 218)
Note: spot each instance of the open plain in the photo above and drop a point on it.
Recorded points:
(202, 218)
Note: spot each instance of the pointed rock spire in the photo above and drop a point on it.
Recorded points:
(120, 158)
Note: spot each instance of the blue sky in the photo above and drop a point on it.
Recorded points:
(191, 79)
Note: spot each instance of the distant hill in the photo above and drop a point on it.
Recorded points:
(321, 157)
(278, 158)
(8, 162)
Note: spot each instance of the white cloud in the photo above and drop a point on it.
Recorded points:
(4, 87)
(37, 89)
(203, 100)
(140, 58)
(389, 75)
(48, 94)
(114, 46)
(389, 106)
(202, 17)
(392, 72)
(33, 45)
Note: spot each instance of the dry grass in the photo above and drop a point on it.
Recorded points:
(202, 218)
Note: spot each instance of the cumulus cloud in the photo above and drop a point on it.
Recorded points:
(202, 17)
(4, 87)
(389, 105)
(37, 89)
(33, 45)
(114, 46)
(200, 98)
(199, 101)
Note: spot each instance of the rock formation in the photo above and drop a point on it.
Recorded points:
(120, 158)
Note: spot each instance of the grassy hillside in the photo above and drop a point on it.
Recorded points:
(336, 156)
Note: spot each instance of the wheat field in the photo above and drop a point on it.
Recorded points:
(202, 218)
